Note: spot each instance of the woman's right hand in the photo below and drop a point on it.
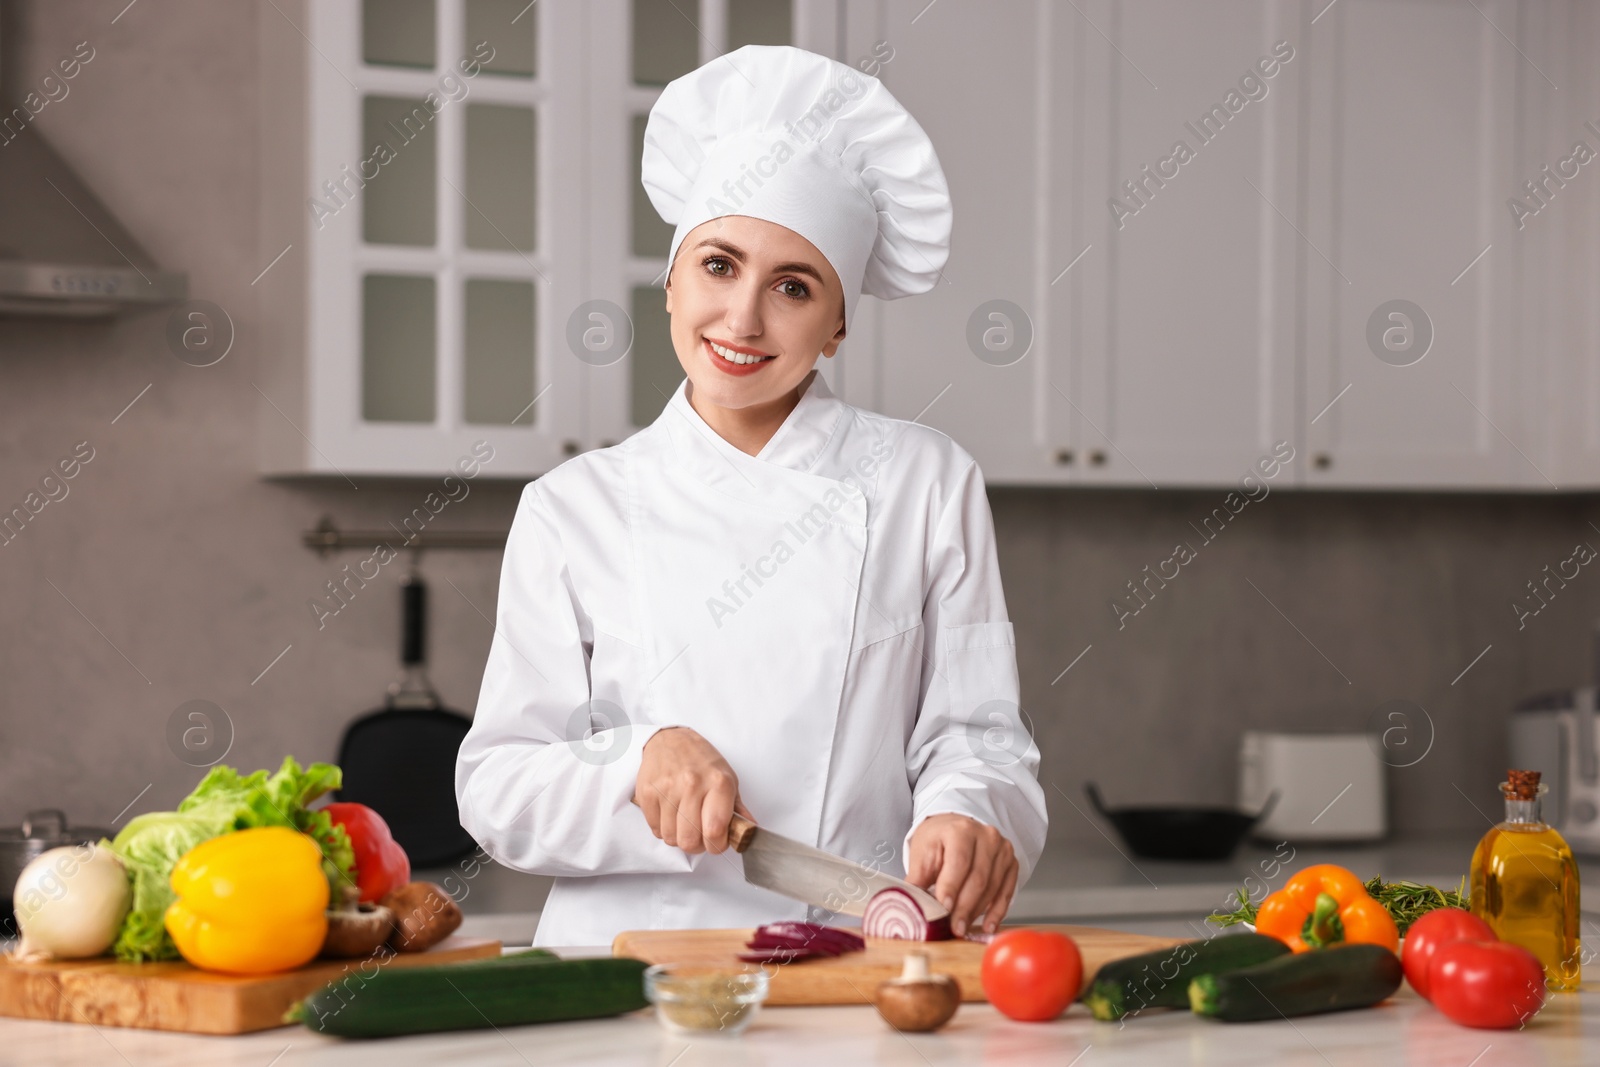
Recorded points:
(687, 791)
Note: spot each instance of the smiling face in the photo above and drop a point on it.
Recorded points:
(754, 291)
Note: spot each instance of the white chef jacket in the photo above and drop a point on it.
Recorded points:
(827, 614)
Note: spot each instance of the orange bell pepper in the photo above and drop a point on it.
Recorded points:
(1323, 905)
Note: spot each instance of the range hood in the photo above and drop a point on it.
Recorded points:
(61, 252)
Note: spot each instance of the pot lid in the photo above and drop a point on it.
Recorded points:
(49, 826)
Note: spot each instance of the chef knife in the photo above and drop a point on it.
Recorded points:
(815, 877)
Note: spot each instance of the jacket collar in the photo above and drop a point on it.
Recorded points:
(797, 445)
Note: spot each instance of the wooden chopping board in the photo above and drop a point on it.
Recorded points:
(176, 996)
(854, 977)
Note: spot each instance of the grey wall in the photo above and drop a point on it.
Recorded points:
(172, 572)
(1399, 592)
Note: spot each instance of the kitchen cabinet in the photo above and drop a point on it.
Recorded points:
(1557, 269)
(971, 357)
(1409, 256)
(1178, 164)
(1438, 139)
(1115, 311)
(1189, 311)
(1150, 320)
(491, 272)
(413, 194)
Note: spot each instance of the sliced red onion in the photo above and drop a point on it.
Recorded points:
(791, 942)
(815, 948)
(780, 956)
(894, 914)
(812, 933)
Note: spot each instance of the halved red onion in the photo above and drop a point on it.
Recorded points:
(894, 914)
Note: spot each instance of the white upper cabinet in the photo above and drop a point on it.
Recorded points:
(1176, 164)
(414, 192)
(1183, 233)
(1411, 342)
(1233, 224)
(1557, 266)
(970, 357)
(1119, 303)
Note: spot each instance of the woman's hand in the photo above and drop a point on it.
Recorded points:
(687, 791)
(971, 867)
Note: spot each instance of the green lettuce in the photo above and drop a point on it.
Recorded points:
(224, 801)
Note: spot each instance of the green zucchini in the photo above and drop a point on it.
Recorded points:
(1335, 978)
(1160, 979)
(513, 990)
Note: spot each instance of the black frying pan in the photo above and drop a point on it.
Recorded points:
(400, 759)
(1180, 833)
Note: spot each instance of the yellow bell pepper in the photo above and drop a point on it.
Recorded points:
(250, 901)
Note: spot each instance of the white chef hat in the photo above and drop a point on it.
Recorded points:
(791, 137)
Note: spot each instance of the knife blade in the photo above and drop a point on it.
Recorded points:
(815, 877)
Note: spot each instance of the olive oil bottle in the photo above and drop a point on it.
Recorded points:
(1525, 883)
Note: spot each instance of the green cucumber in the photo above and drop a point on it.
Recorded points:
(1335, 978)
(1161, 979)
(513, 990)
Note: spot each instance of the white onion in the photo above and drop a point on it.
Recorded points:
(70, 903)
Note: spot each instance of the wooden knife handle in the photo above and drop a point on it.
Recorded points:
(740, 832)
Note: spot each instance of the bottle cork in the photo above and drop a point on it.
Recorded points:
(1524, 784)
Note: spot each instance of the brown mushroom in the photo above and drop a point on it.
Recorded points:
(356, 929)
(424, 915)
(918, 1000)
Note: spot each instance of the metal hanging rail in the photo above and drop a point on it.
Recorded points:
(327, 539)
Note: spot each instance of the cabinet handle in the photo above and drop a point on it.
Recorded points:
(569, 448)
(1064, 457)
(1097, 458)
(1322, 461)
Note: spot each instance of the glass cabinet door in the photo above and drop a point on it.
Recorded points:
(472, 173)
(441, 274)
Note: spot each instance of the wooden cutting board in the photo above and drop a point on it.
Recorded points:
(854, 977)
(176, 996)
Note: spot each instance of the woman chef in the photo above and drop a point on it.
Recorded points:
(772, 602)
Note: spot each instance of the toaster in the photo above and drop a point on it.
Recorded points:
(1556, 734)
(1331, 787)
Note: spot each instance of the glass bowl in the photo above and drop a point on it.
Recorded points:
(700, 999)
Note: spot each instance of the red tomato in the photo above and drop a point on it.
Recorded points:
(381, 864)
(1438, 927)
(1032, 975)
(1494, 985)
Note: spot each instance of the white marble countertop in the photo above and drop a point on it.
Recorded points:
(1091, 884)
(1402, 1031)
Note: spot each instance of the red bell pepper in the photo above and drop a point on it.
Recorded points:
(381, 864)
